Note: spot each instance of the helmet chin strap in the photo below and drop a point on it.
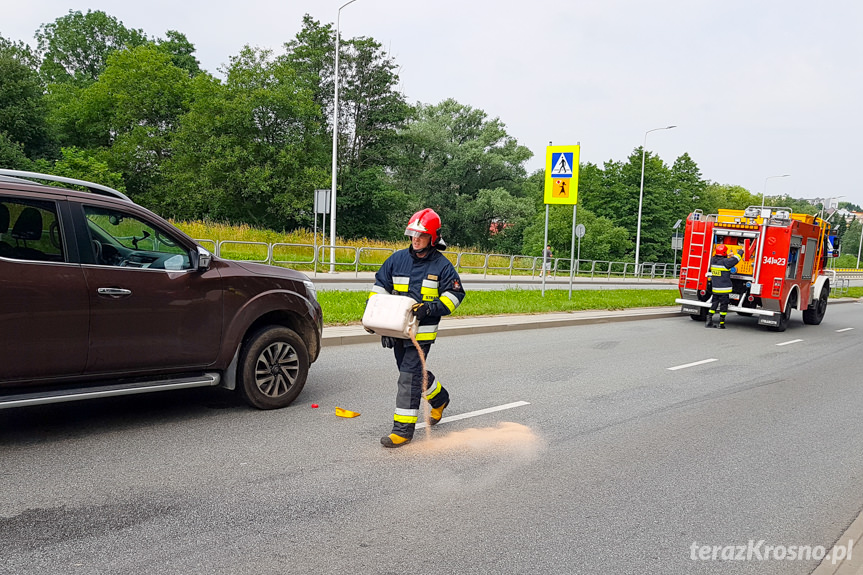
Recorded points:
(423, 251)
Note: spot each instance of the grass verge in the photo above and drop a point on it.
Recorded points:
(346, 307)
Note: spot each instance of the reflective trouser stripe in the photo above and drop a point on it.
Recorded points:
(433, 391)
(406, 415)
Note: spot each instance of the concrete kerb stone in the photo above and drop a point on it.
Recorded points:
(852, 565)
(351, 334)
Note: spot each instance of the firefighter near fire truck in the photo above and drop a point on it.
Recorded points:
(720, 273)
(422, 273)
(781, 265)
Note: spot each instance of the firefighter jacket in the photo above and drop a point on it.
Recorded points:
(720, 271)
(432, 280)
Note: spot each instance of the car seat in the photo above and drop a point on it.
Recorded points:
(6, 249)
(28, 227)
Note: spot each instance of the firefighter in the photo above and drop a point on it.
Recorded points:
(420, 272)
(720, 271)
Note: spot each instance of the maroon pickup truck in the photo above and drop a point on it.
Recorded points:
(101, 297)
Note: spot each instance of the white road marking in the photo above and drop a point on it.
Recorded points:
(478, 412)
(790, 342)
(703, 361)
(846, 329)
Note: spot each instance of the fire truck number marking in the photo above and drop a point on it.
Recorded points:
(774, 261)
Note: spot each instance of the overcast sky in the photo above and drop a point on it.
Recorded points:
(756, 88)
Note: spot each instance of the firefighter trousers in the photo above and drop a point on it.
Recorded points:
(720, 301)
(410, 387)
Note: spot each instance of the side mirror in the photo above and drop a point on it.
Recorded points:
(204, 257)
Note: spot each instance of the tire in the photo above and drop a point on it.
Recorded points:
(785, 317)
(815, 312)
(783, 321)
(274, 365)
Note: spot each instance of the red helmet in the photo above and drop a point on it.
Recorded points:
(426, 222)
(721, 250)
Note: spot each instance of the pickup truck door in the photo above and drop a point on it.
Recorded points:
(148, 309)
(43, 297)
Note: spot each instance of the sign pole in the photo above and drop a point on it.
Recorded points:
(545, 243)
(572, 250)
(561, 187)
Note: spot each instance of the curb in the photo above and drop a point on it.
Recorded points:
(346, 335)
(351, 334)
(852, 565)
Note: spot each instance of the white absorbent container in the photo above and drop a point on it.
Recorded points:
(390, 315)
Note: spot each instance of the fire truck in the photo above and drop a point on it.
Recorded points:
(782, 266)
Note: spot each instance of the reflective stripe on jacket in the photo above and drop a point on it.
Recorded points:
(432, 280)
(720, 271)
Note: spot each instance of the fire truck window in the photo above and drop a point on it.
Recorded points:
(791, 270)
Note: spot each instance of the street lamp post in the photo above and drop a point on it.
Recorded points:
(641, 195)
(764, 192)
(335, 143)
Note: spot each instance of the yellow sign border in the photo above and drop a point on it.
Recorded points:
(548, 197)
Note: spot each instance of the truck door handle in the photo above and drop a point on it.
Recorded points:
(114, 292)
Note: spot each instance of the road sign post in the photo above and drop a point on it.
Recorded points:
(561, 187)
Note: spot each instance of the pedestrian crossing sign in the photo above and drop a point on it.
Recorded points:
(561, 174)
(561, 164)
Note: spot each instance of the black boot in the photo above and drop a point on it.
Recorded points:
(709, 322)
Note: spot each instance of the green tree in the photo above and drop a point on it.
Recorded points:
(451, 152)
(602, 239)
(132, 111)
(12, 154)
(88, 165)
(182, 52)
(75, 47)
(371, 111)
(248, 150)
(23, 110)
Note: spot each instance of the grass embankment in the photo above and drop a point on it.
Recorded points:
(342, 307)
(346, 307)
(299, 254)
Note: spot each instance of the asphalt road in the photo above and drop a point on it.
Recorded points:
(615, 464)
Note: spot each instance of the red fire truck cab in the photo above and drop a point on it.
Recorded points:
(784, 257)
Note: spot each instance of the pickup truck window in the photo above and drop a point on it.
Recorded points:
(29, 230)
(124, 240)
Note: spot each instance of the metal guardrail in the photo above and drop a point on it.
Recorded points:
(353, 257)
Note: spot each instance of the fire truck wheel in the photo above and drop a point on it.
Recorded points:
(815, 312)
(700, 316)
(785, 316)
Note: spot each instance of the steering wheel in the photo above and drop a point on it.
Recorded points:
(54, 234)
(97, 251)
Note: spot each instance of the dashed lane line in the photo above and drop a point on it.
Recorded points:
(693, 364)
(789, 342)
(478, 412)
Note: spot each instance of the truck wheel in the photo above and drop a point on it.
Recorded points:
(815, 312)
(274, 365)
(785, 317)
(783, 321)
